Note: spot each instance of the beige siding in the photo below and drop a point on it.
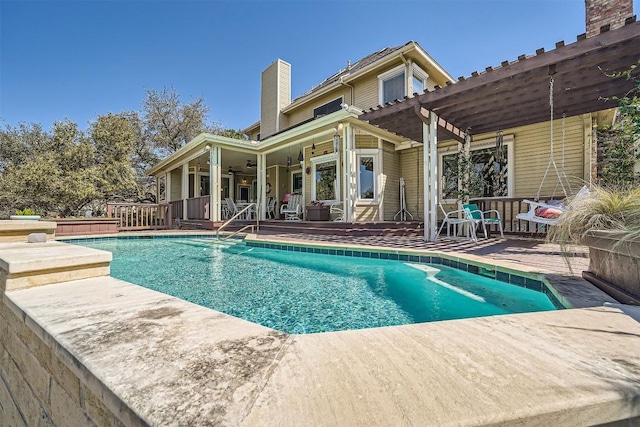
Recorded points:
(254, 135)
(175, 193)
(411, 162)
(366, 141)
(366, 93)
(305, 112)
(390, 180)
(367, 213)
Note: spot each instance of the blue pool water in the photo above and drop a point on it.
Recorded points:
(298, 292)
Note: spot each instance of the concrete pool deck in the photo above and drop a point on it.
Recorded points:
(158, 360)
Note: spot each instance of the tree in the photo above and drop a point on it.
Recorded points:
(169, 123)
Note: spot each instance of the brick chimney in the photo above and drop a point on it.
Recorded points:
(606, 12)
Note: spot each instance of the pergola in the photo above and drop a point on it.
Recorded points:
(514, 94)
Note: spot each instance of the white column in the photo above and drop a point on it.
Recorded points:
(185, 189)
(345, 175)
(350, 163)
(215, 158)
(261, 164)
(430, 157)
(167, 189)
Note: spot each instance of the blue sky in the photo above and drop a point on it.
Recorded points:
(80, 59)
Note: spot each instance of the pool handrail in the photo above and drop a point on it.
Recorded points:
(238, 214)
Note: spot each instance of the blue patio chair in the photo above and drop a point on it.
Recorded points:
(492, 216)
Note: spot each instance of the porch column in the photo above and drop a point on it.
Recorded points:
(167, 189)
(350, 165)
(261, 164)
(215, 157)
(430, 157)
(185, 189)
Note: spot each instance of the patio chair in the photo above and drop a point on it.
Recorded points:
(271, 208)
(479, 217)
(232, 209)
(336, 209)
(457, 219)
(293, 208)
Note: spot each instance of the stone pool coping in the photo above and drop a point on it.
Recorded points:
(161, 360)
(155, 359)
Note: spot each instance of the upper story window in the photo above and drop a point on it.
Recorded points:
(393, 84)
(328, 108)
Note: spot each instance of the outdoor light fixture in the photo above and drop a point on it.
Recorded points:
(300, 156)
(313, 147)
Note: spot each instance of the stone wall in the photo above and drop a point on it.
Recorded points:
(36, 386)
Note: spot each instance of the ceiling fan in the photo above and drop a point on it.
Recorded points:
(231, 171)
(250, 165)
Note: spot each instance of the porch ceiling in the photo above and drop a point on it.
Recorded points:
(517, 93)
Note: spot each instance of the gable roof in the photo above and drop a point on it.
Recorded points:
(358, 66)
(351, 68)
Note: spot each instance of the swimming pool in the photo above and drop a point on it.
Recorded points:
(303, 292)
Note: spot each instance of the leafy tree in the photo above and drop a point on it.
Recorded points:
(233, 133)
(169, 123)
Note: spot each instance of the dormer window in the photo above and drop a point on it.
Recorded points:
(328, 108)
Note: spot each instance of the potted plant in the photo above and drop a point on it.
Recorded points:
(317, 211)
(25, 214)
(608, 222)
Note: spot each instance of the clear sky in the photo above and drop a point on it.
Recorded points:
(80, 59)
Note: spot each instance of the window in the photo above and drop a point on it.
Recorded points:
(328, 108)
(489, 176)
(393, 88)
(418, 80)
(367, 175)
(325, 182)
(296, 182)
(393, 83)
(418, 85)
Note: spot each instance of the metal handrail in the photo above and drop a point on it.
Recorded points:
(233, 218)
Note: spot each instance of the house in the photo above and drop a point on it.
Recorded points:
(398, 114)
(314, 145)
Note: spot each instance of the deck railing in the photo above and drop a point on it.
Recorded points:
(198, 208)
(509, 207)
(176, 209)
(140, 216)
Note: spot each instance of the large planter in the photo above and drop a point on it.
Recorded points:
(317, 213)
(614, 264)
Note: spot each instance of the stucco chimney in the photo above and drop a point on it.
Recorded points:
(603, 12)
(275, 94)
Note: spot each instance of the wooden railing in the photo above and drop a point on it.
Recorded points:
(198, 208)
(177, 210)
(509, 207)
(140, 216)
